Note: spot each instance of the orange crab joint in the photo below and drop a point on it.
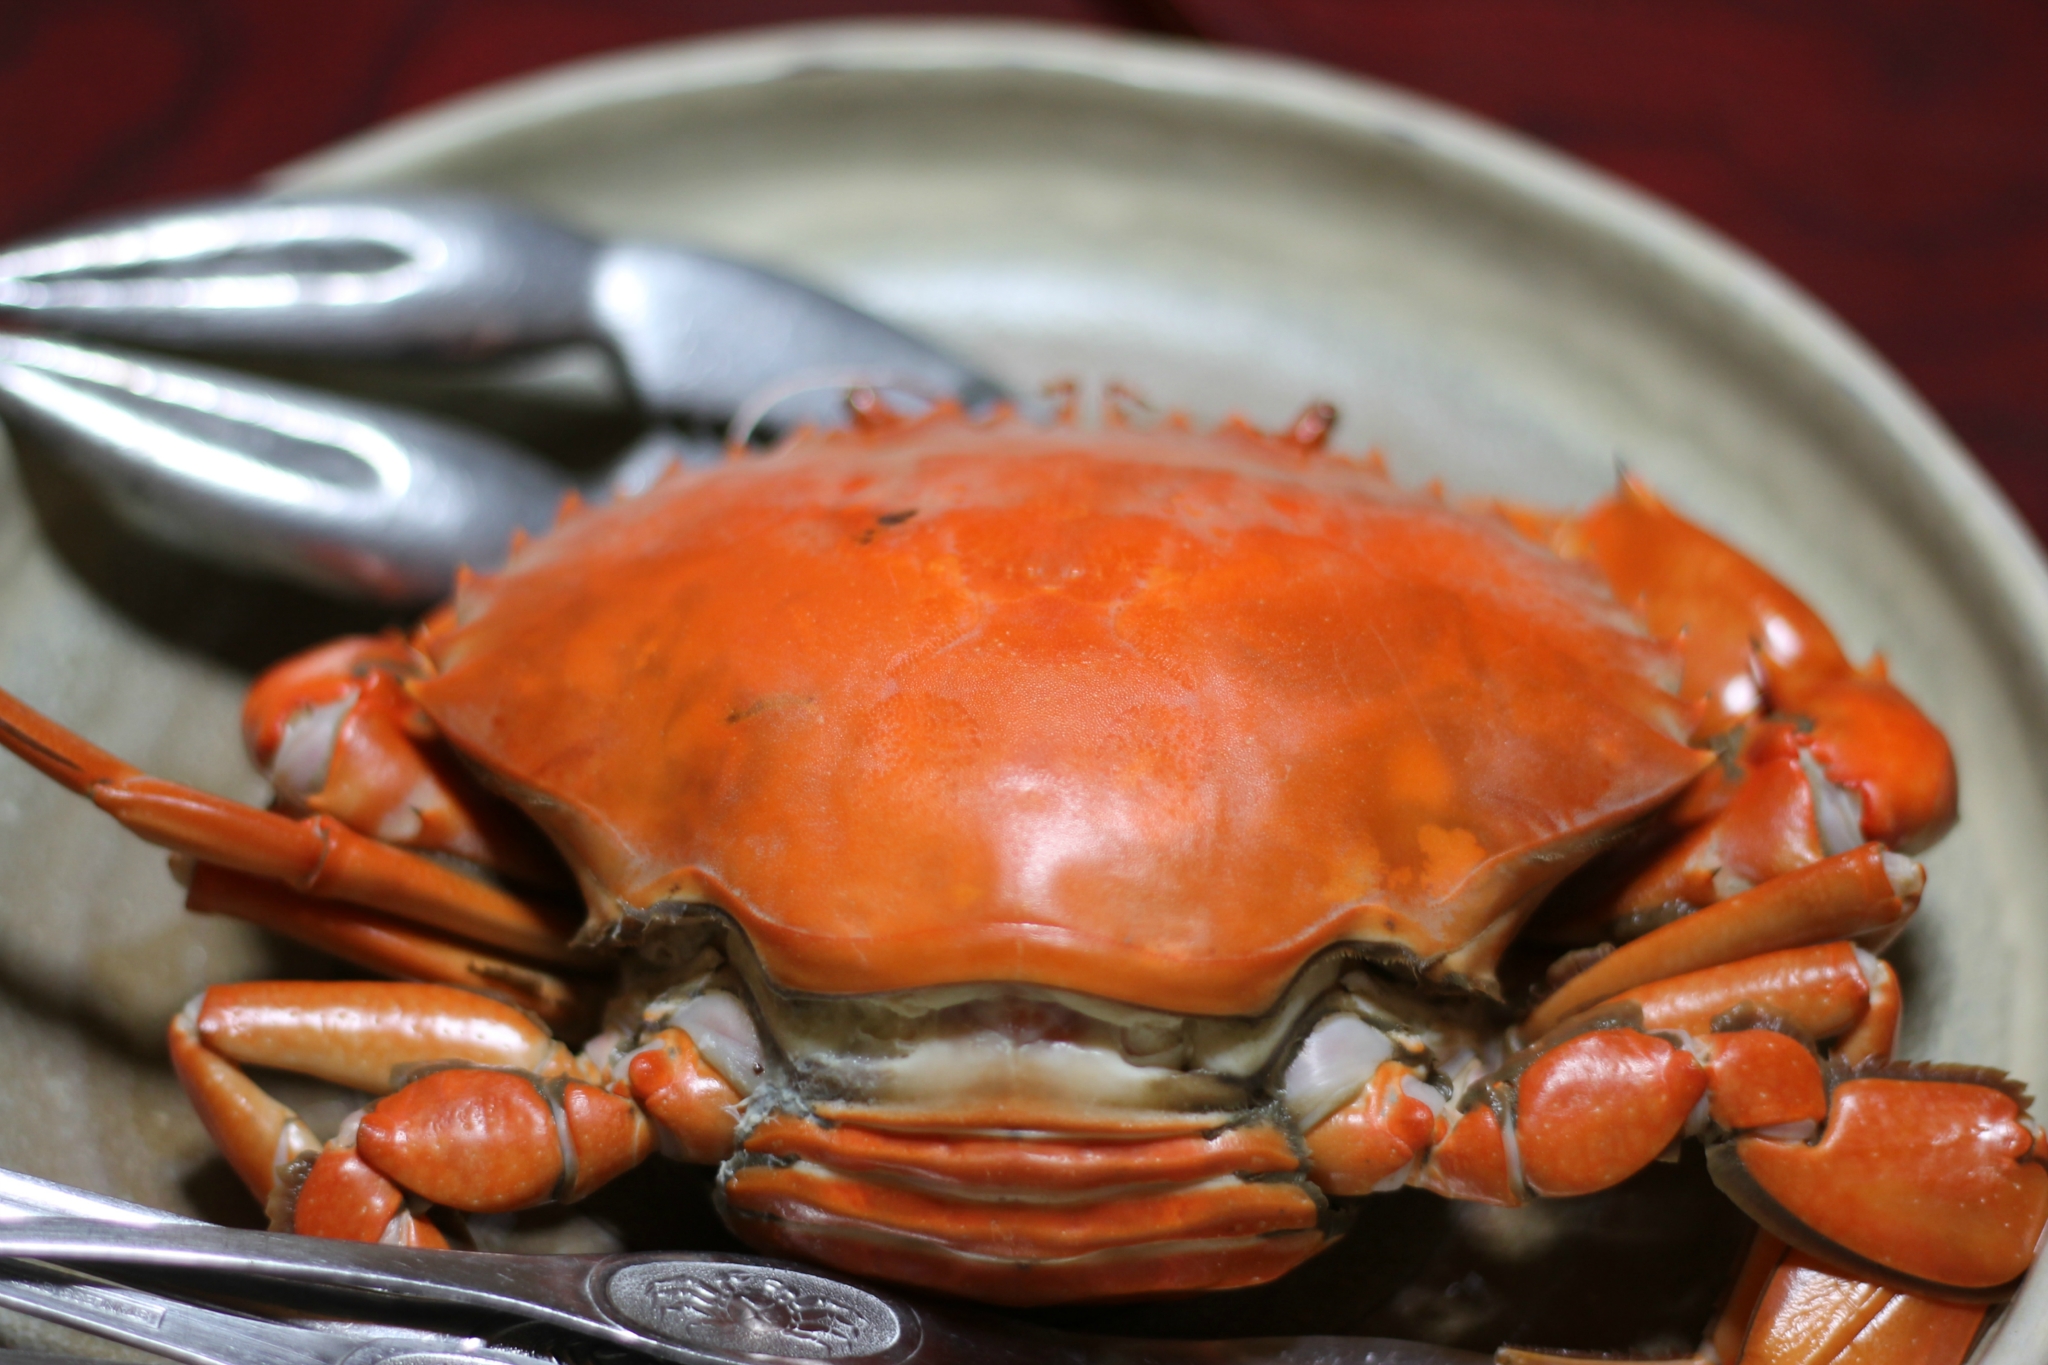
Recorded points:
(259, 1136)
(319, 677)
(480, 1141)
(337, 733)
(1372, 1142)
(607, 1134)
(1596, 1109)
(1762, 1079)
(1875, 1034)
(1715, 602)
(694, 1108)
(345, 1198)
(1768, 827)
(1474, 1160)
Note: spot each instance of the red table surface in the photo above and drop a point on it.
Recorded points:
(1890, 156)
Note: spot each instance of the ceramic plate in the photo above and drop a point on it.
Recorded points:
(1222, 232)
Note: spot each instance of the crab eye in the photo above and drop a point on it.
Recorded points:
(1335, 1062)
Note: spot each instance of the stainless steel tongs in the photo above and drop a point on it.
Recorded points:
(687, 1308)
(196, 1333)
(201, 1335)
(359, 497)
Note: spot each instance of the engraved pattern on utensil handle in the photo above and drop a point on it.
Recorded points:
(718, 1308)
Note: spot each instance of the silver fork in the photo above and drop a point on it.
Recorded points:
(682, 1307)
(362, 498)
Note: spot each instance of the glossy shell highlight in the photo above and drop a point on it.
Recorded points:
(1150, 715)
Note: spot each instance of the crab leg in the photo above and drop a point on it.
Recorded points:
(383, 944)
(1864, 894)
(503, 1116)
(1869, 738)
(352, 1033)
(1877, 1032)
(1929, 1178)
(1802, 1312)
(364, 1034)
(261, 1138)
(1731, 1323)
(695, 1109)
(319, 855)
(1788, 1309)
(1831, 991)
(1828, 755)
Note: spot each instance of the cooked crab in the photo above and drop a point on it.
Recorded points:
(1044, 864)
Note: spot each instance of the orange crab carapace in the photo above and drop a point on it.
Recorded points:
(1047, 863)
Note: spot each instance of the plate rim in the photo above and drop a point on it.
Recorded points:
(1918, 459)
(1727, 272)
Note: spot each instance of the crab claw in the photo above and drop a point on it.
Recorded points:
(1931, 1178)
(1872, 741)
(1738, 630)
(337, 733)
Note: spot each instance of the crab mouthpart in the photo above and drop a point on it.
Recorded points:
(1024, 1145)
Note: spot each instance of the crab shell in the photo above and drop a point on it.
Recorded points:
(1140, 714)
